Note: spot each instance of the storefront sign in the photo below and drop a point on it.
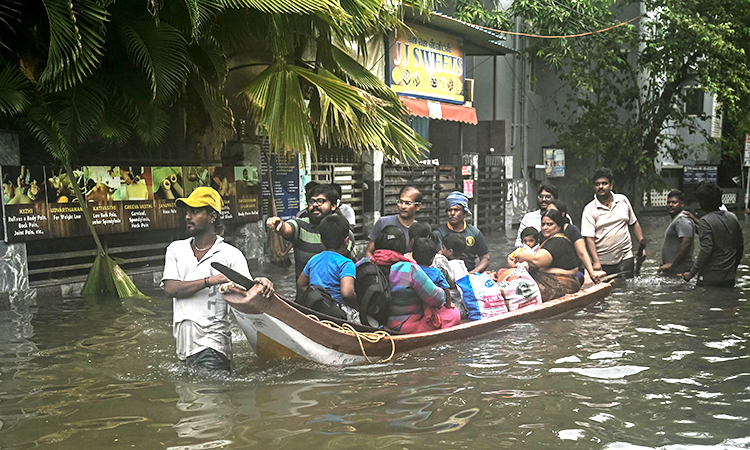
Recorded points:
(427, 64)
(40, 202)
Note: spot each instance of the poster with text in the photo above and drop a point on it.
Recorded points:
(66, 217)
(136, 192)
(167, 187)
(222, 179)
(24, 203)
(247, 186)
(103, 198)
(285, 180)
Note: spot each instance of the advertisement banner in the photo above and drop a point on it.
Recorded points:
(427, 64)
(40, 202)
(24, 197)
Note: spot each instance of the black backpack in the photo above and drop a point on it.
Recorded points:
(373, 293)
(318, 299)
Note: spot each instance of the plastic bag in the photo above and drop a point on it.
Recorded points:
(482, 297)
(518, 288)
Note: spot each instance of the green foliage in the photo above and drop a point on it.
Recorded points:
(627, 84)
(473, 11)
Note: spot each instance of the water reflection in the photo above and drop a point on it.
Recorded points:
(659, 364)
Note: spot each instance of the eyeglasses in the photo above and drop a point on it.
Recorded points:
(407, 203)
(318, 201)
(544, 197)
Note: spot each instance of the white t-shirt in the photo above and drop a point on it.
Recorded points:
(202, 320)
(609, 228)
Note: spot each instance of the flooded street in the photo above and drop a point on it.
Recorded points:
(659, 364)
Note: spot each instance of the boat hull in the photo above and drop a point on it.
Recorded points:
(276, 330)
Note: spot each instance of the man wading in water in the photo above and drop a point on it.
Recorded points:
(201, 317)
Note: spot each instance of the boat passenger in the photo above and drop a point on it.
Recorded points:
(303, 233)
(555, 265)
(453, 247)
(424, 230)
(409, 203)
(330, 269)
(417, 305)
(573, 233)
(425, 250)
(545, 195)
(457, 209)
(531, 238)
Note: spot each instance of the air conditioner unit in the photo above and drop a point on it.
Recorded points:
(469, 90)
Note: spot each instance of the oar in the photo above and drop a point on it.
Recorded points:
(612, 276)
(234, 276)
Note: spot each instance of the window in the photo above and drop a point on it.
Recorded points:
(694, 101)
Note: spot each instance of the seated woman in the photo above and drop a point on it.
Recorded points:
(555, 265)
(573, 233)
(417, 305)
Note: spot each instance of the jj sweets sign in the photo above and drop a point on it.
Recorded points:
(427, 64)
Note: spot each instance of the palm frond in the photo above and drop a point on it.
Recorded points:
(285, 6)
(159, 52)
(151, 126)
(80, 109)
(359, 76)
(76, 41)
(216, 106)
(16, 91)
(48, 131)
(10, 17)
(276, 103)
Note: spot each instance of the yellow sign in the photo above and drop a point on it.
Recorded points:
(427, 64)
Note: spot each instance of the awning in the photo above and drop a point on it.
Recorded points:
(441, 110)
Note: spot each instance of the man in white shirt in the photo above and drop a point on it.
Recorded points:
(605, 224)
(201, 324)
(545, 195)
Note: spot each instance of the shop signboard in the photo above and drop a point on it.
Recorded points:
(427, 63)
(40, 202)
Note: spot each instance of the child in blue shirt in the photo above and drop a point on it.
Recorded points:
(423, 252)
(332, 270)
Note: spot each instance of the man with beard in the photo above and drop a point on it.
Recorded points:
(303, 232)
(677, 251)
(545, 195)
(605, 224)
(457, 209)
(201, 324)
(409, 203)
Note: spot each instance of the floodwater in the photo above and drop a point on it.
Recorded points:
(659, 364)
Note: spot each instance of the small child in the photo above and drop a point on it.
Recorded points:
(531, 238)
(424, 251)
(332, 270)
(453, 247)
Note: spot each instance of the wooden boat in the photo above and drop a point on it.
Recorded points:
(278, 329)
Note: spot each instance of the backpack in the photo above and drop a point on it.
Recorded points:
(373, 293)
(318, 299)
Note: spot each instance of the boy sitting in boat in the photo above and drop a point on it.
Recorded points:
(332, 270)
(453, 247)
(424, 251)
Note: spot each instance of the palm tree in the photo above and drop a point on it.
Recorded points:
(75, 71)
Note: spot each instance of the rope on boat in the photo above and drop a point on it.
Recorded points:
(372, 338)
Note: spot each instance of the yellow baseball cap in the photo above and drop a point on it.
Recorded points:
(202, 196)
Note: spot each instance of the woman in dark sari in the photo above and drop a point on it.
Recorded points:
(554, 266)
